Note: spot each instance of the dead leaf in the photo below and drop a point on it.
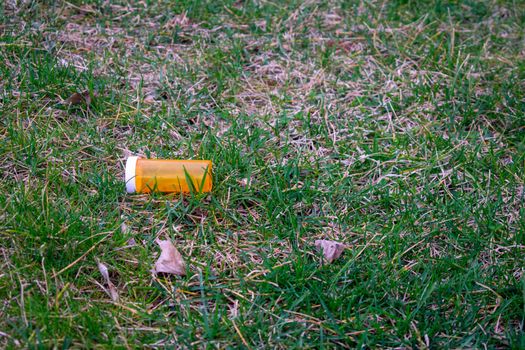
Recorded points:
(234, 310)
(331, 249)
(180, 21)
(261, 24)
(150, 98)
(124, 228)
(79, 97)
(170, 260)
(112, 289)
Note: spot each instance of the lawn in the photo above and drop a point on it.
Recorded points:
(394, 127)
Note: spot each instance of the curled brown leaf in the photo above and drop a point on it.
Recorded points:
(79, 97)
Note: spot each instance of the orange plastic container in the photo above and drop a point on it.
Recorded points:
(167, 175)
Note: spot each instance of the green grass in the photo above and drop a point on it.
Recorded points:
(394, 127)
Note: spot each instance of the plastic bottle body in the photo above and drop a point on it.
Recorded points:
(165, 175)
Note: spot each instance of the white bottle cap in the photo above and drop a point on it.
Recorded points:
(131, 167)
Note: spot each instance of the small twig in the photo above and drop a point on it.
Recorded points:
(240, 335)
(80, 8)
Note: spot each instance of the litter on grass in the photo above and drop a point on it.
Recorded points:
(168, 175)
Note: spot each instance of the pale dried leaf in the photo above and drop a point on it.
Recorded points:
(113, 293)
(170, 260)
(234, 310)
(150, 98)
(261, 24)
(331, 249)
(180, 21)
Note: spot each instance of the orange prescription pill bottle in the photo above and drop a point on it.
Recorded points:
(167, 175)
